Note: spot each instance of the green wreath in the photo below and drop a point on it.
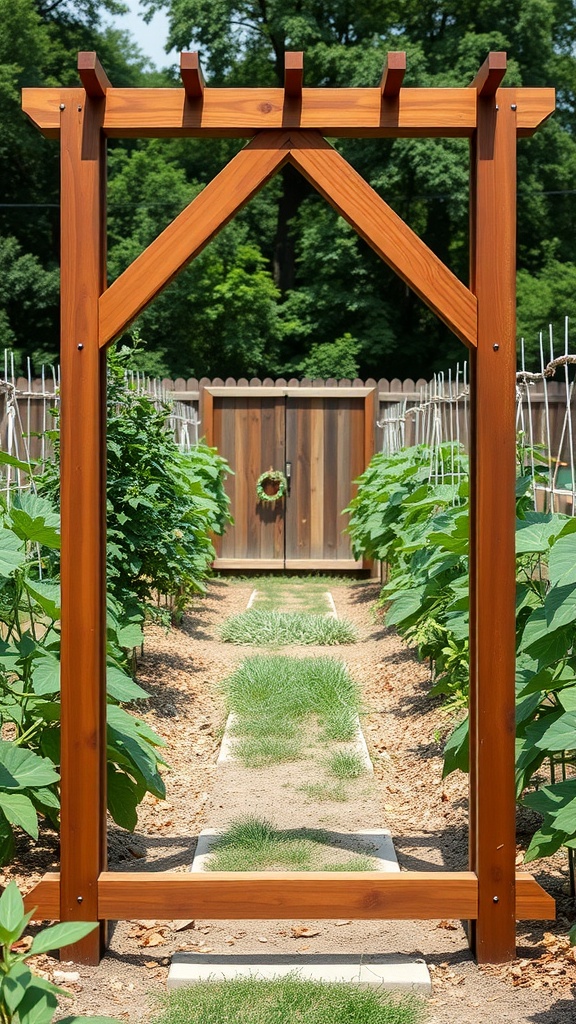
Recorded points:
(274, 476)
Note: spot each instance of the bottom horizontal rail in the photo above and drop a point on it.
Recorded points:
(408, 895)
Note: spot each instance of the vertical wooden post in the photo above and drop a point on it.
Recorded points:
(83, 468)
(492, 826)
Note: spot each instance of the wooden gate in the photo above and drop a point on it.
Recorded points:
(322, 438)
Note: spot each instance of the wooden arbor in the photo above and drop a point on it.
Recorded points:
(289, 125)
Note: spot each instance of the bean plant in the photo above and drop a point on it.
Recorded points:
(419, 529)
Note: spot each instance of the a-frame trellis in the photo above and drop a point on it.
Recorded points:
(289, 125)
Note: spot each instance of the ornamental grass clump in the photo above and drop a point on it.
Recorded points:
(280, 629)
(255, 844)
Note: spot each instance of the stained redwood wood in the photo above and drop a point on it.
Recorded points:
(293, 73)
(290, 389)
(494, 469)
(187, 235)
(92, 74)
(386, 233)
(240, 113)
(83, 554)
(254, 468)
(44, 898)
(285, 895)
(344, 471)
(191, 75)
(393, 74)
(331, 511)
(490, 75)
(532, 902)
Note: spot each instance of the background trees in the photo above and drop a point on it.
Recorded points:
(288, 287)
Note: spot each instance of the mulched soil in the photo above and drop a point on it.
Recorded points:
(404, 729)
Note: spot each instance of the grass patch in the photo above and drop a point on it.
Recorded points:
(326, 792)
(260, 751)
(272, 696)
(255, 844)
(284, 1001)
(263, 628)
(302, 594)
(346, 764)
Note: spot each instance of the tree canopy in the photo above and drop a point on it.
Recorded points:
(288, 287)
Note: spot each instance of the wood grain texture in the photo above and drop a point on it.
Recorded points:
(490, 75)
(276, 390)
(44, 898)
(494, 468)
(83, 460)
(293, 73)
(285, 895)
(92, 75)
(386, 233)
(393, 74)
(240, 113)
(191, 75)
(532, 902)
(187, 235)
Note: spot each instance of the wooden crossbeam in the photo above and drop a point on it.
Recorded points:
(386, 233)
(240, 113)
(191, 75)
(187, 235)
(393, 74)
(408, 895)
(92, 74)
(293, 73)
(490, 75)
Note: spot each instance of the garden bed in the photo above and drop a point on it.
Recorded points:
(404, 729)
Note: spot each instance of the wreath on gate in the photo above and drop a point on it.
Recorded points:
(276, 483)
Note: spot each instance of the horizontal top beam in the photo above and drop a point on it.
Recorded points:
(337, 113)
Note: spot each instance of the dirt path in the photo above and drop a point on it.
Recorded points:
(404, 730)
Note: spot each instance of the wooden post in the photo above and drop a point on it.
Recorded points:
(492, 825)
(83, 467)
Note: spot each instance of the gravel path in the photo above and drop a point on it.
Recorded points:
(404, 729)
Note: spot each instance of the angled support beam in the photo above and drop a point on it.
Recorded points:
(191, 75)
(92, 74)
(386, 233)
(393, 74)
(491, 73)
(187, 235)
(294, 73)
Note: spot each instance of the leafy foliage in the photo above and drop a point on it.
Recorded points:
(25, 997)
(30, 683)
(421, 531)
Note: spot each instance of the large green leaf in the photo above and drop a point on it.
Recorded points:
(12, 554)
(47, 595)
(122, 687)
(46, 674)
(35, 520)
(38, 1006)
(63, 934)
(456, 751)
(560, 607)
(533, 534)
(404, 605)
(11, 909)
(20, 768)
(562, 562)
(555, 731)
(124, 795)
(20, 811)
(15, 984)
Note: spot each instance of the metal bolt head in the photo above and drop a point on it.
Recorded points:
(79, 109)
(495, 899)
(62, 106)
(79, 899)
(495, 347)
(496, 107)
(80, 347)
(513, 106)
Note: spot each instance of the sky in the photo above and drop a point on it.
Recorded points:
(150, 38)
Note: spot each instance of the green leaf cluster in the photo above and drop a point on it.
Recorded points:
(25, 997)
(30, 683)
(420, 530)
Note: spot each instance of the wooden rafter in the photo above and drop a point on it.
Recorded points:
(393, 74)
(293, 74)
(92, 75)
(386, 233)
(490, 75)
(191, 75)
